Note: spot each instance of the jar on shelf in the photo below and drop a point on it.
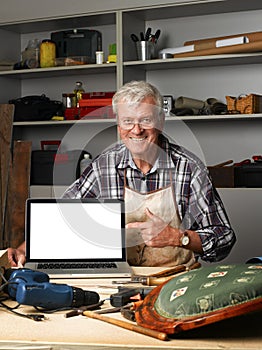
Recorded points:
(78, 91)
(85, 162)
(30, 56)
(69, 100)
(47, 53)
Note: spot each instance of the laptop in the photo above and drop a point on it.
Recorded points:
(71, 238)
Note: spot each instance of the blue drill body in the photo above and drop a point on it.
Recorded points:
(31, 287)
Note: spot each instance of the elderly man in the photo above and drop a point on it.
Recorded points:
(174, 214)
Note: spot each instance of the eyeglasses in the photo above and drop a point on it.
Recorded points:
(145, 123)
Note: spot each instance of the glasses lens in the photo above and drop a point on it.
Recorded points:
(128, 125)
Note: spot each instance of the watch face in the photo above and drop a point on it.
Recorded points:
(185, 240)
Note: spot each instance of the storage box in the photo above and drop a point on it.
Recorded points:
(246, 175)
(42, 163)
(95, 102)
(50, 167)
(98, 94)
(249, 104)
(72, 61)
(72, 113)
(77, 42)
(105, 112)
(222, 176)
(249, 175)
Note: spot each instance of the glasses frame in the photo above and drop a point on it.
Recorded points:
(142, 124)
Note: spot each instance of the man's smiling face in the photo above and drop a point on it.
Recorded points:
(139, 126)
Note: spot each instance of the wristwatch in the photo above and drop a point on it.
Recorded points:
(184, 240)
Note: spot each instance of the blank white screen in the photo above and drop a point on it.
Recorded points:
(75, 231)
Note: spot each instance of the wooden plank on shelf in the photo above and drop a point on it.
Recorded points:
(234, 49)
(6, 129)
(210, 42)
(18, 192)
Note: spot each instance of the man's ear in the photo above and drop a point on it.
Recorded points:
(161, 121)
(118, 129)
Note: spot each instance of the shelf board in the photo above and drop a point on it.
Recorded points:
(57, 71)
(197, 61)
(155, 64)
(226, 117)
(229, 117)
(63, 122)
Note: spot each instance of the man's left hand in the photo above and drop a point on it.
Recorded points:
(155, 232)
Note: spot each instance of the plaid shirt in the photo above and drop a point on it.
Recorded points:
(199, 204)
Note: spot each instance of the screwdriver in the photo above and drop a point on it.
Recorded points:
(146, 281)
(160, 277)
(154, 281)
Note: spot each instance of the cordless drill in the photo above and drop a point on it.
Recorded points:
(31, 287)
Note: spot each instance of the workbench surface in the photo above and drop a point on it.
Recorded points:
(80, 332)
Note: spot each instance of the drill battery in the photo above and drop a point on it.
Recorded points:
(126, 295)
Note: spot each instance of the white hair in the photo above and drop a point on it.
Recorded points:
(135, 92)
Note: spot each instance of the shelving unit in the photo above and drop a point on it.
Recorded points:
(214, 138)
(196, 77)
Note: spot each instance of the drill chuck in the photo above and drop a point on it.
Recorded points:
(82, 297)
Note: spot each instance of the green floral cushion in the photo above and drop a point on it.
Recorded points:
(209, 289)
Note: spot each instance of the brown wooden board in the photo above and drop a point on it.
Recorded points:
(18, 192)
(6, 128)
(252, 36)
(240, 48)
(4, 265)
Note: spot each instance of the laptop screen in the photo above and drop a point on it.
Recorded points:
(75, 230)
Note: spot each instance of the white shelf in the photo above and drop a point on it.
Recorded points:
(155, 64)
(228, 117)
(58, 71)
(64, 122)
(199, 61)
(231, 117)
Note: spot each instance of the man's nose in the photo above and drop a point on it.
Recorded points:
(137, 128)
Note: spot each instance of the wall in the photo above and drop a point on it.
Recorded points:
(15, 10)
(244, 208)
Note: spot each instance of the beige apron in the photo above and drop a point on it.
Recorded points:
(163, 204)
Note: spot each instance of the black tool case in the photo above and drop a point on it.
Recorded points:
(248, 175)
(52, 167)
(77, 42)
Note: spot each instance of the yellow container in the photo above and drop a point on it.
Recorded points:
(47, 54)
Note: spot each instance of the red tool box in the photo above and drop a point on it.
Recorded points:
(95, 102)
(93, 105)
(98, 94)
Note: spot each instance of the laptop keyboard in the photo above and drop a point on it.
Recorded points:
(104, 265)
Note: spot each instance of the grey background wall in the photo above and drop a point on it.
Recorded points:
(15, 10)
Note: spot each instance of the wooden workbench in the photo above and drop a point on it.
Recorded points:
(80, 332)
